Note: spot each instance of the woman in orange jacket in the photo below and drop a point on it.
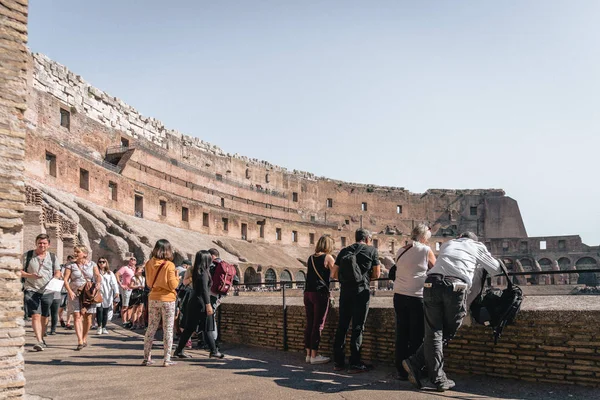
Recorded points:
(162, 280)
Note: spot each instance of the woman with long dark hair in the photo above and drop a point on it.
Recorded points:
(110, 293)
(199, 311)
(162, 281)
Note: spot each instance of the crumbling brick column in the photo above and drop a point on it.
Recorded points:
(13, 94)
(56, 243)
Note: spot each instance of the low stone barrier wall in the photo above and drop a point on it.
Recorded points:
(556, 339)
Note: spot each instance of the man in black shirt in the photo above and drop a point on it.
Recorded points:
(354, 297)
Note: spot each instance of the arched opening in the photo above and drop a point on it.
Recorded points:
(250, 276)
(546, 264)
(286, 277)
(270, 277)
(300, 279)
(527, 265)
(564, 263)
(590, 278)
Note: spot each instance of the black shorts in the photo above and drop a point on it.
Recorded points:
(38, 303)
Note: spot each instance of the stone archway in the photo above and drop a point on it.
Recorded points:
(300, 279)
(251, 276)
(590, 278)
(286, 276)
(270, 277)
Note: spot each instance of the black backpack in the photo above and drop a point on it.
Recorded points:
(497, 308)
(350, 272)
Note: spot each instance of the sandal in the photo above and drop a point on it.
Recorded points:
(79, 347)
(146, 363)
(169, 363)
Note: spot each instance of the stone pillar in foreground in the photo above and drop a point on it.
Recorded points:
(13, 95)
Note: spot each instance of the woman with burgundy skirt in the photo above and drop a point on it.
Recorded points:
(321, 266)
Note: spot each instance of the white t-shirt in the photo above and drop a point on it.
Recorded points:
(460, 257)
(411, 270)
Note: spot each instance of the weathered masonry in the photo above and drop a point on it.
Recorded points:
(14, 64)
(116, 181)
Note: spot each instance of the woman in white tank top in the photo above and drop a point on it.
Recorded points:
(412, 262)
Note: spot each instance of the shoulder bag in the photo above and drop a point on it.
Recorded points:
(88, 293)
(392, 273)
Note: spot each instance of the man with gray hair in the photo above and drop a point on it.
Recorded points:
(444, 298)
(356, 264)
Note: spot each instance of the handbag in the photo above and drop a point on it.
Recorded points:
(392, 273)
(88, 293)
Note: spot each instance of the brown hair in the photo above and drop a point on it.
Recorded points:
(162, 250)
(42, 236)
(325, 245)
(105, 267)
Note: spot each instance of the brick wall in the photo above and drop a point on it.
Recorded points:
(544, 346)
(13, 89)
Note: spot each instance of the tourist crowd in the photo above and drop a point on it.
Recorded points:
(429, 298)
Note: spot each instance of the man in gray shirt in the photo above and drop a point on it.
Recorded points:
(445, 304)
(39, 267)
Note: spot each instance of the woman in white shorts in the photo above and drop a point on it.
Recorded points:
(76, 275)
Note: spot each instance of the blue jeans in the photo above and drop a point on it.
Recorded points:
(444, 311)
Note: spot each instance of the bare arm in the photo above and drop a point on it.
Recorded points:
(330, 265)
(430, 259)
(97, 276)
(67, 286)
(376, 272)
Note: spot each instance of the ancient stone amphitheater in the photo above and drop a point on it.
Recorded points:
(100, 174)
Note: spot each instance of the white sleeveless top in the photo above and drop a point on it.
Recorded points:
(412, 270)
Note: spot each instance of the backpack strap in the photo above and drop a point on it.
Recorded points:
(53, 259)
(28, 259)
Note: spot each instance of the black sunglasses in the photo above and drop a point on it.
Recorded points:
(101, 261)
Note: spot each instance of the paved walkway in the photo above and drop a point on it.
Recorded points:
(110, 369)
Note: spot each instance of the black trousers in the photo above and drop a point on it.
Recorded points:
(354, 306)
(54, 314)
(187, 334)
(102, 316)
(410, 327)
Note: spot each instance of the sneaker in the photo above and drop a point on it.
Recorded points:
(169, 363)
(319, 359)
(359, 368)
(38, 347)
(62, 323)
(44, 343)
(99, 332)
(52, 332)
(216, 355)
(93, 327)
(181, 355)
(307, 359)
(147, 363)
(445, 385)
(412, 373)
(104, 331)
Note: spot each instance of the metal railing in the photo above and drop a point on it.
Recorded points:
(282, 286)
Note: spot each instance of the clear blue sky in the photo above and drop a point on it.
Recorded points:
(419, 94)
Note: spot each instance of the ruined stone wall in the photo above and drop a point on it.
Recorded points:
(98, 120)
(543, 346)
(13, 89)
